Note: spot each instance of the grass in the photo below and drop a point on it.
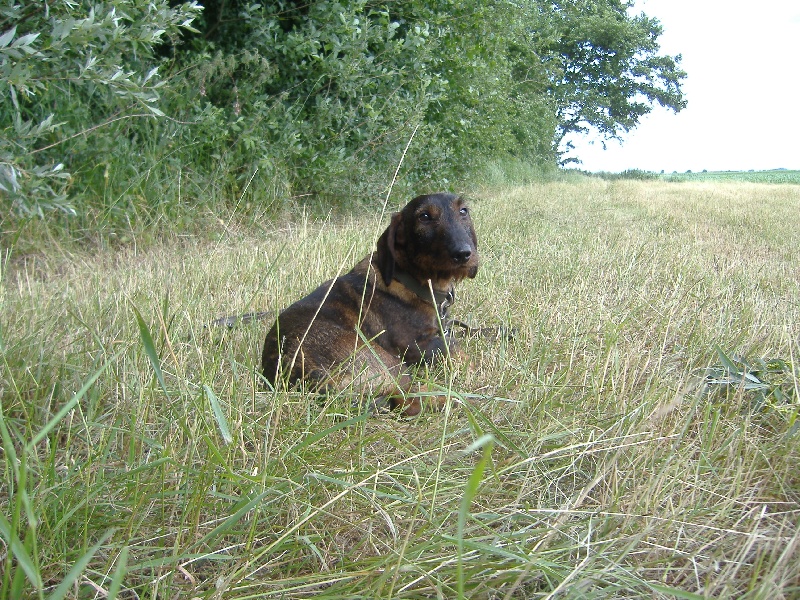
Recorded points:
(590, 457)
(771, 176)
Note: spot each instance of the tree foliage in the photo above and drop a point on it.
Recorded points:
(70, 73)
(104, 103)
(604, 70)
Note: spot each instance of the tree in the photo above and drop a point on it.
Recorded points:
(494, 105)
(604, 68)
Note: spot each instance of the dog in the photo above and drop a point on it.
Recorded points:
(370, 329)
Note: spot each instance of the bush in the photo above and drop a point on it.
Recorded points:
(128, 111)
(76, 75)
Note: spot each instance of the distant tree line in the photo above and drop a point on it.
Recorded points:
(121, 105)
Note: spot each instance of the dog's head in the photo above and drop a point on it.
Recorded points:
(431, 238)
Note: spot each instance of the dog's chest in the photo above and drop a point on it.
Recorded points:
(409, 330)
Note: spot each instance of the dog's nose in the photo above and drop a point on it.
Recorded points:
(462, 256)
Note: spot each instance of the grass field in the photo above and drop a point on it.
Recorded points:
(773, 176)
(617, 447)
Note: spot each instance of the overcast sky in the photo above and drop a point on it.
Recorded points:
(743, 89)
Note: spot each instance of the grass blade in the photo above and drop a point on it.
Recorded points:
(231, 520)
(219, 416)
(321, 434)
(119, 574)
(20, 553)
(487, 443)
(150, 349)
(69, 405)
(77, 569)
(8, 446)
(675, 593)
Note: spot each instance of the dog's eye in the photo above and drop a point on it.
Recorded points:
(464, 211)
(424, 217)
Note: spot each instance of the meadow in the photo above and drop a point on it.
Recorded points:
(637, 438)
(772, 176)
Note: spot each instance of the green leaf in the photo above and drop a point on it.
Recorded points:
(480, 422)
(8, 446)
(222, 422)
(25, 40)
(726, 361)
(154, 110)
(150, 349)
(150, 74)
(6, 38)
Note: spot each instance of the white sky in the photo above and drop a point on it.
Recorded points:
(743, 90)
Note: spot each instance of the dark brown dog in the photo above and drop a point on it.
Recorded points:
(372, 327)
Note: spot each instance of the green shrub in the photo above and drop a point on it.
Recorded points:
(129, 113)
(76, 75)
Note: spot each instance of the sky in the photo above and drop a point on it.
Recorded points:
(743, 91)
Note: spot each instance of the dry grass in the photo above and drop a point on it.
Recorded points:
(580, 460)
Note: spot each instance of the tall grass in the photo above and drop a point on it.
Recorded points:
(585, 458)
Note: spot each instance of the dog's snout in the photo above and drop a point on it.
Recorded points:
(462, 255)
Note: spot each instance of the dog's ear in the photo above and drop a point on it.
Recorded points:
(386, 254)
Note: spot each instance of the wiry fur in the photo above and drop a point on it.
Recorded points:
(370, 327)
